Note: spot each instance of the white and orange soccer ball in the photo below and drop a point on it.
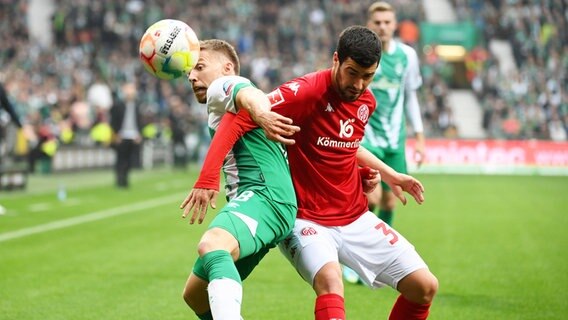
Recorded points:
(169, 49)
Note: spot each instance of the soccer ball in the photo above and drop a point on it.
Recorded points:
(169, 49)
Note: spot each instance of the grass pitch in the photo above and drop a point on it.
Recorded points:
(496, 243)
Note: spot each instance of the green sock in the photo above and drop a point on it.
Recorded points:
(219, 264)
(206, 316)
(386, 216)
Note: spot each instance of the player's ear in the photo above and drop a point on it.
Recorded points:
(229, 67)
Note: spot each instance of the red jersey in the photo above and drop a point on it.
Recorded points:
(323, 162)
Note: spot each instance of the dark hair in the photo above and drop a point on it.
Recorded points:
(224, 48)
(361, 44)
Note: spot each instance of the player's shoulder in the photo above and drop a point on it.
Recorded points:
(313, 84)
(224, 86)
(368, 98)
(408, 50)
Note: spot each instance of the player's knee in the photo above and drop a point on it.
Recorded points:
(204, 247)
(419, 287)
(217, 239)
(428, 288)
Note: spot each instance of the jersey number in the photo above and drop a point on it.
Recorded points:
(387, 231)
(244, 196)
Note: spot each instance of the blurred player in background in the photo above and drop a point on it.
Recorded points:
(394, 87)
(9, 108)
(334, 224)
(261, 204)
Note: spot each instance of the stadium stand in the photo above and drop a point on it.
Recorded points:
(94, 47)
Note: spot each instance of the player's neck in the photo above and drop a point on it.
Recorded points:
(386, 45)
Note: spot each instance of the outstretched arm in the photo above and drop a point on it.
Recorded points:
(413, 111)
(206, 188)
(397, 181)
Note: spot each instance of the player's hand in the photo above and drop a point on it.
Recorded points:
(370, 179)
(419, 156)
(403, 182)
(419, 153)
(198, 200)
(276, 127)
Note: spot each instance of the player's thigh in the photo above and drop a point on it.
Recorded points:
(309, 247)
(256, 222)
(378, 253)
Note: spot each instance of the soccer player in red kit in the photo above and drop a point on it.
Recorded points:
(334, 225)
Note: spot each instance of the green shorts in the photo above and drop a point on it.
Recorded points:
(395, 159)
(258, 224)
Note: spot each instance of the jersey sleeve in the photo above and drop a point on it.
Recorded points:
(222, 92)
(413, 79)
(292, 99)
(231, 129)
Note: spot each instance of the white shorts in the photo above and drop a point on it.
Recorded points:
(379, 254)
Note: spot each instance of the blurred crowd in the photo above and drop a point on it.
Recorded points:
(64, 90)
(530, 101)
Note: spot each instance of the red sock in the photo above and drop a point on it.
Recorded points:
(330, 307)
(408, 310)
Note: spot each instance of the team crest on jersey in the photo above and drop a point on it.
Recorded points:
(363, 113)
(275, 97)
(227, 87)
(398, 68)
(308, 231)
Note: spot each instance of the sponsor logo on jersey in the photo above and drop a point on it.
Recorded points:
(308, 231)
(294, 86)
(276, 97)
(363, 113)
(329, 108)
(346, 128)
(328, 142)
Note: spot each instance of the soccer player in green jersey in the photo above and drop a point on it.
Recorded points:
(261, 204)
(394, 86)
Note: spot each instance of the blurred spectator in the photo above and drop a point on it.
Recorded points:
(66, 86)
(126, 124)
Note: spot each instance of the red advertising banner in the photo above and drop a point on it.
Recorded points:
(493, 156)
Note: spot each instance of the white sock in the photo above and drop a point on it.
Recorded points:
(225, 296)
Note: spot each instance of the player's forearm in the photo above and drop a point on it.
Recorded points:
(253, 100)
(413, 111)
(420, 138)
(227, 134)
(366, 158)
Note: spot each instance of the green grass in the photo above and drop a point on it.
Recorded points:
(496, 243)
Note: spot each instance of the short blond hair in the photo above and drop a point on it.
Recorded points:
(380, 6)
(224, 48)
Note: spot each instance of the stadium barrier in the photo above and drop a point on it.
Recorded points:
(98, 157)
(530, 157)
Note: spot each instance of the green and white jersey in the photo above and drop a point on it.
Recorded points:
(255, 162)
(398, 72)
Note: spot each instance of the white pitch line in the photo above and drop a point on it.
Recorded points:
(93, 216)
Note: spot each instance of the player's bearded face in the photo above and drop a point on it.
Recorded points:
(209, 67)
(351, 79)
